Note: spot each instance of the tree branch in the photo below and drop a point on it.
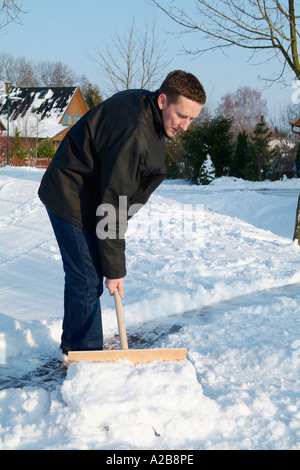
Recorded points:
(134, 60)
(249, 24)
(9, 12)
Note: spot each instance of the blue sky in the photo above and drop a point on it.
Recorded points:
(70, 30)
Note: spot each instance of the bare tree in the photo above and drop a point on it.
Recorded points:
(54, 74)
(271, 26)
(21, 72)
(9, 12)
(281, 118)
(7, 67)
(132, 60)
(24, 73)
(245, 106)
(18, 71)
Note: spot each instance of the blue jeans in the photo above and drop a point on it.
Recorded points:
(82, 323)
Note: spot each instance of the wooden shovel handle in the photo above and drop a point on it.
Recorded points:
(120, 318)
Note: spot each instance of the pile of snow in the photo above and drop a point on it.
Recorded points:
(219, 275)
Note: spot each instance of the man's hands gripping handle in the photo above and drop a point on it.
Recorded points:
(113, 284)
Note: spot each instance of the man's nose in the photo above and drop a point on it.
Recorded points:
(184, 124)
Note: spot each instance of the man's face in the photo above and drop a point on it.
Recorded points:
(178, 116)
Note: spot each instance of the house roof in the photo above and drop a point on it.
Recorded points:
(38, 112)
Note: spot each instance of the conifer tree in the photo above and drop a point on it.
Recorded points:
(261, 148)
(175, 164)
(212, 137)
(207, 171)
(241, 157)
(92, 96)
(18, 149)
(45, 149)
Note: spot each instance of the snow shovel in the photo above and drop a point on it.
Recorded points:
(133, 355)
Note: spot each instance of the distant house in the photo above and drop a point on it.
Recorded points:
(296, 123)
(42, 112)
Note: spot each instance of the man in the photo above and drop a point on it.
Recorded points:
(115, 150)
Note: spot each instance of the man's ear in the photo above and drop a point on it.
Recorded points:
(162, 101)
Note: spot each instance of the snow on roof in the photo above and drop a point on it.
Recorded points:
(39, 111)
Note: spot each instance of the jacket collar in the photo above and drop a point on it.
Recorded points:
(157, 116)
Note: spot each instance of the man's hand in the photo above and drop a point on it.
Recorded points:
(113, 284)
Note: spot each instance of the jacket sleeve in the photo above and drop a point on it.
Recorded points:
(120, 179)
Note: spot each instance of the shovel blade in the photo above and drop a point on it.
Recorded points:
(133, 355)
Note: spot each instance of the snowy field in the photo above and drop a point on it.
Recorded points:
(220, 276)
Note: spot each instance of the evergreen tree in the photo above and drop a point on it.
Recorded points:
(212, 137)
(241, 157)
(196, 151)
(92, 96)
(45, 149)
(18, 149)
(219, 143)
(207, 171)
(174, 158)
(261, 151)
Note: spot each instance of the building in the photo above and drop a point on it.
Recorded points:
(42, 112)
(294, 124)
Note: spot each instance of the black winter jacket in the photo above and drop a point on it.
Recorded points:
(115, 149)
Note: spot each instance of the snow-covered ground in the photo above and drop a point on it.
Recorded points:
(211, 268)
